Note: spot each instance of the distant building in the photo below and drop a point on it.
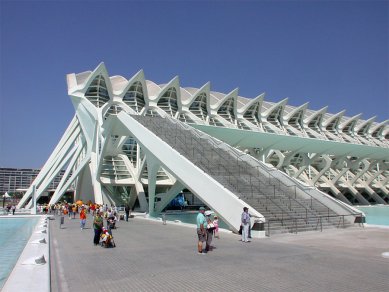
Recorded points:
(18, 180)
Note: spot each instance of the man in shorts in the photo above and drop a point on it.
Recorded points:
(98, 225)
(201, 232)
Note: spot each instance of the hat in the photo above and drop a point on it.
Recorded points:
(201, 208)
(208, 213)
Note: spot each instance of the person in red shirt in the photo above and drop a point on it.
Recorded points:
(92, 207)
(82, 217)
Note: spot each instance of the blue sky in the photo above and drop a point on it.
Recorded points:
(333, 53)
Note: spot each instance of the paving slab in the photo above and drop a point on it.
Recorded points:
(150, 256)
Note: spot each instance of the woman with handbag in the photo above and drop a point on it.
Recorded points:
(210, 229)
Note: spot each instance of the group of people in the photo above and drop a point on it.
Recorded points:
(206, 229)
(99, 213)
(100, 232)
(10, 208)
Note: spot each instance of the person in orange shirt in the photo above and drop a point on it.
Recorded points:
(82, 217)
(74, 210)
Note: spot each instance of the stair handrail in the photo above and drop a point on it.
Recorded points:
(341, 221)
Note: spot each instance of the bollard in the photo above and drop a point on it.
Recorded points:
(62, 221)
(258, 229)
(164, 219)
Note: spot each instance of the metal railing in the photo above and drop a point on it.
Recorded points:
(292, 224)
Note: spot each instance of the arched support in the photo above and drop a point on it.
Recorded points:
(325, 168)
(281, 158)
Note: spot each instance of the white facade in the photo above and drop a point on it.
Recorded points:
(344, 156)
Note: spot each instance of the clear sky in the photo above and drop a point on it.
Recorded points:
(333, 53)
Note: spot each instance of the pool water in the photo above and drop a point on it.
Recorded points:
(376, 215)
(14, 235)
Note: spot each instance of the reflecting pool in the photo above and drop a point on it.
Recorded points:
(15, 233)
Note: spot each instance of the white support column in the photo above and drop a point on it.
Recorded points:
(33, 199)
(152, 170)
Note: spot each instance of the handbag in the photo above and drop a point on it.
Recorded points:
(210, 227)
(240, 229)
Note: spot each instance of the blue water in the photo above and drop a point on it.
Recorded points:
(376, 215)
(15, 233)
(190, 218)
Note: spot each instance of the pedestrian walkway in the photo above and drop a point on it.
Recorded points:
(150, 256)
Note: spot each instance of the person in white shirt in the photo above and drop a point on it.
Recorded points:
(245, 224)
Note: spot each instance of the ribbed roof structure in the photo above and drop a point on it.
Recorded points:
(207, 107)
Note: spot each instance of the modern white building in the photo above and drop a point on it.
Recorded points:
(141, 143)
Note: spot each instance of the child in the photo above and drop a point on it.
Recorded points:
(105, 238)
(216, 224)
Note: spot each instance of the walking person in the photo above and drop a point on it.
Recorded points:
(201, 233)
(13, 208)
(249, 229)
(70, 211)
(82, 217)
(127, 211)
(74, 210)
(92, 208)
(97, 227)
(245, 220)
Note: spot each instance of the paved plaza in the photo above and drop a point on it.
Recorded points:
(150, 256)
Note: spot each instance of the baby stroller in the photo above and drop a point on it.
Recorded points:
(107, 239)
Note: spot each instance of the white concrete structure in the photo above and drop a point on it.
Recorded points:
(111, 158)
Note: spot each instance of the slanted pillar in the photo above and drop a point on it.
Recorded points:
(33, 200)
(152, 170)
